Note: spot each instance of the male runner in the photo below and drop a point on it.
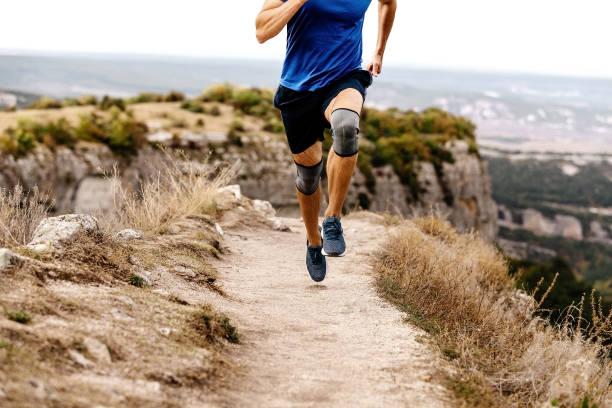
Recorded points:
(322, 85)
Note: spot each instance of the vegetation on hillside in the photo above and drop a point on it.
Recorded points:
(118, 130)
(591, 261)
(458, 288)
(529, 183)
(397, 138)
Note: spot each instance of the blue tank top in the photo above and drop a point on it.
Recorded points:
(324, 42)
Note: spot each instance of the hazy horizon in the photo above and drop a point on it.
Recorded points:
(545, 37)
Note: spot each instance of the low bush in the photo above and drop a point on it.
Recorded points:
(174, 96)
(107, 102)
(147, 97)
(218, 93)
(215, 110)
(45, 103)
(122, 134)
(193, 106)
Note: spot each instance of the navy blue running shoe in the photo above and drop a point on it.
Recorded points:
(333, 240)
(315, 263)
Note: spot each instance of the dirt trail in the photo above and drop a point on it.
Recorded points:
(330, 344)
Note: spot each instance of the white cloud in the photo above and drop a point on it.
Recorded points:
(551, 36)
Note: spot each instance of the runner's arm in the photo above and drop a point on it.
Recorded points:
(386, 16)
(275, 15)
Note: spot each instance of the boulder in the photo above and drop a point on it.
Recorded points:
(80, 359)
(234, 189)
(278, 225)
(98, 350)
(7, 258)
(56, 232)
(265, 208)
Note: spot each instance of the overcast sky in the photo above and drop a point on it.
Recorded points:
(545, 36)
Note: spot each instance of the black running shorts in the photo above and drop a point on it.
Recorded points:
(303, 112)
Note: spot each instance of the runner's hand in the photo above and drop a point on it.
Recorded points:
(375, 66)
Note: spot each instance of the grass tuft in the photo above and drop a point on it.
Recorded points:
(137, 281)
(211, 325)
(19, 316)
(179, 189)
(457, 287)
(20, 213)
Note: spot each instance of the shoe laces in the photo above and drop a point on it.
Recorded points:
(315, 255)
(332, 230)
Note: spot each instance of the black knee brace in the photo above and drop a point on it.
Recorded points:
(345, 131)
(308, 177)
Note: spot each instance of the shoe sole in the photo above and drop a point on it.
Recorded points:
(333, 255)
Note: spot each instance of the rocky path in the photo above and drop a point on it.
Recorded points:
(334, 344)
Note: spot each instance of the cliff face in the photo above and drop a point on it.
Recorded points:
(73, 178)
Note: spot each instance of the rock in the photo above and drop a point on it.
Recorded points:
(38, 388)
(165, 331)
(278, 225)
(568, 227)
(219, 229)
(121, 315)
(234, 189)
(161, 292)
(98, 350)
(80, 359)
(181, 270)
(161, 137)
(598, 231)
(264, 207)
(55, 232)
(2, 394)
(129, 235)
(7, 258)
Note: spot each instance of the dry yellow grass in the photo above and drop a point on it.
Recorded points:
(20, 214)
(180, 189)
(457, 287)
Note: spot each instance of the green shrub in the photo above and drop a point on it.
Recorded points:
(88, 100)
(246, 99)
(174, 96)
(137, 281)
(147, 97)
(122, 134)
(107, 102)
(46, 103)
(215, 111)
(193, 106)
(236, 125)
(19, 316)
(218, 93)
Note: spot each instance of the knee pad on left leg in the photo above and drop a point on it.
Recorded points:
(308, 178)
(345, 132)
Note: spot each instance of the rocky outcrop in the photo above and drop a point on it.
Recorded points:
(74, 178)
(565, 226)
(461, 191)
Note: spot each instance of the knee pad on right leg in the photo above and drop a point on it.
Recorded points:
(308, 178)
(345, 131)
